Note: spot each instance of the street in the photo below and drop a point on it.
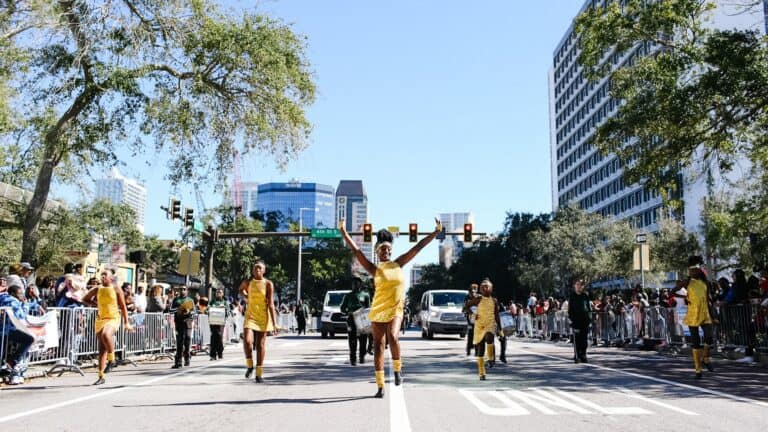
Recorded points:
(309, 385)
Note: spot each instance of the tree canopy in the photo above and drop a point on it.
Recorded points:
(85, 79)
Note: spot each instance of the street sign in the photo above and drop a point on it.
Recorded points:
(189, 262)
(105, 254)
(642, 254)
(395, 230)
(325, 233)
(641, 238)
(198, 227)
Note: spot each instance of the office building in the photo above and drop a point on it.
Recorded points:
(583, 176)
(249, 192)
(352, 207)
(450, 249)
(317, 200)
(121, 190)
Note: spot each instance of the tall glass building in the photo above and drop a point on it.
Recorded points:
(288, 198)
(581, 175)
(352, 207)
(122, 190)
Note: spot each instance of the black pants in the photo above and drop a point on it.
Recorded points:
(183, 340)
(580, 335)
(470, 335)
(23, 342)
(355, 341)
(217, 341)
(696, 337)
(503, 341)
(302, 323)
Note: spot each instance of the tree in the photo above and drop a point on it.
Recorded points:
(671, 246)
(176, 75)
(433, 277)
(696, 96)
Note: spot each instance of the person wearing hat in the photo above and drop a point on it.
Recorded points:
(19, 274)
(697, 315)
(386, 312)
(353, 301)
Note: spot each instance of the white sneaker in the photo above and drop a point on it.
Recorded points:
(746, 360)
(17, 379)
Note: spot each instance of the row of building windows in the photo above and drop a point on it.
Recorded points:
(583, 132)
(596, 177)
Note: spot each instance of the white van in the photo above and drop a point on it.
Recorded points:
(332, 320)
(440, 312)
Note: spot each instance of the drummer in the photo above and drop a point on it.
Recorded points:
(355, 300)
(487, 322)
(218, 304)
(389, 297)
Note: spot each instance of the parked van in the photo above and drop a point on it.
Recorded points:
(332, 320)
(440, 313)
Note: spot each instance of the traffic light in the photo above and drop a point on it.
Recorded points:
(189, 218)
(367, 232)
(175, 209)
(413, 232)
(468, 232)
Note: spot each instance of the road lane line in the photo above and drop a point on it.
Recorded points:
(107, 393)
(659, 380)
(398, 412)
(632, 394)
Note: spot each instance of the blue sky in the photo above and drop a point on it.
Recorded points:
(438, 106)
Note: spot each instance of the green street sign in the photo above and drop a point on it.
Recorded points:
(198, 227)
(325, 233)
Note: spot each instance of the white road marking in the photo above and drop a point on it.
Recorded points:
(537, 398)
(509, 408)
(635, 395)
(338, 344)
(108, 392)
(288, 344)
(336, 360)
(660, 380)
(604, 409)
(398, 412)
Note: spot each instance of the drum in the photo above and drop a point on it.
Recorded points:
(217, 316)
(507, 323)
(472, 315)
(361, 321)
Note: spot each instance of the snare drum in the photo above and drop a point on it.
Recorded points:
(216, 316)
(507, 323)
(362, 322)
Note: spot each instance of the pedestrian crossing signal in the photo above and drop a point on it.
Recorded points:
(413, 232)
(367, 232)
(468, 232)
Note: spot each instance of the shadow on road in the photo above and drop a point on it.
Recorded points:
(311, 401)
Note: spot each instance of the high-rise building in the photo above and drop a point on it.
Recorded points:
(450, 249)
(121, 190)
(580, 174)
(249, 192)
(289, 198)
(352, 207)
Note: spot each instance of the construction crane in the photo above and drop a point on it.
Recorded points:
(200, 202)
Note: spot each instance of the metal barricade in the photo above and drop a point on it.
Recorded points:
(201, 335)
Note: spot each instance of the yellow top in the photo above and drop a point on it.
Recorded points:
(106, 300)
(485, 322)
(257, 311)
(389, 298)
(698, 307)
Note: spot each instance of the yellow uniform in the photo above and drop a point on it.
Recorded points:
(389, 298)
(485, 322)
(257, 312)
(698, 306)
(109, 314)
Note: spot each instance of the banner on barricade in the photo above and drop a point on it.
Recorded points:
(45, 330)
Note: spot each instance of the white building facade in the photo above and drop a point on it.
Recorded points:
(121, 190)
(580, 174)
(450, 249)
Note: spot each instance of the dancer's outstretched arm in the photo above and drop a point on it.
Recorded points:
(359, 255)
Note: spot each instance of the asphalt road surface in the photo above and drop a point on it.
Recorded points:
(310, 386)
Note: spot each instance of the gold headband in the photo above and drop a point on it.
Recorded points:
(382, 244)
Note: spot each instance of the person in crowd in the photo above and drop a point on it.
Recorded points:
(502, 336)
(470, 315)
(739, 291)
(18, 274)
(202, 305)
(217, 331)
(13, 298)
(111, 305)
(34, 304)
(389, 297)
(487, 324)
(184, 311)
(723, 288)
(130, 302)
(140, 299)
(170, 297)
(71, 292)
(156, 302)
(302, 314)
(357, 299)
(580, 314)
(3, 284)
(260, 317)
(697, 315)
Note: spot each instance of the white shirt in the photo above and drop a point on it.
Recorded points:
(140, 300)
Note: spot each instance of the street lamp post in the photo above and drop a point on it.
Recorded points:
(641, 239)
(298, 279)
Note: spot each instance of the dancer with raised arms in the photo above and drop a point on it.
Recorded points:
(386, 313)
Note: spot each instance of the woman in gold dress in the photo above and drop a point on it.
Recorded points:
(698, 314)
(487, 324)
(111, 304)
(386, 313)
(259, 318)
